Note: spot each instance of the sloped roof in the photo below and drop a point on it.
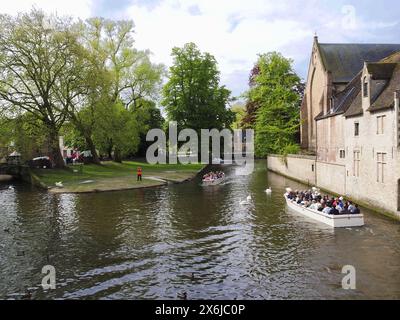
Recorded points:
(385, 99)
(355, 108)
(381, 71)
(344, 61)
(344, 99)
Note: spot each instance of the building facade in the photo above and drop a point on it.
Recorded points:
(351, 123)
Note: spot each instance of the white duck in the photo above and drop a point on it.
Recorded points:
(269, 190)
(10, 188)
(59, 184)
(249, 198)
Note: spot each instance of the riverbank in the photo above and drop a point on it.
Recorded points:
(111, 176)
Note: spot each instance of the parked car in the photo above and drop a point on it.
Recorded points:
(40, 163)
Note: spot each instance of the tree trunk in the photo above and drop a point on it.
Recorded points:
(117, 155)
(110, 149)
(55, 150)
(92, 148)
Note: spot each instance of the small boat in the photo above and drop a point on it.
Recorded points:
(213, 182)
(339, 221)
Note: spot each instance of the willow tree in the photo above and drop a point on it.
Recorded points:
(39, 73)
(276, 91)
(128, 78)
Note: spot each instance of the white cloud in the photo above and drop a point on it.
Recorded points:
(234, 31)
(78, 8)
(171, 24)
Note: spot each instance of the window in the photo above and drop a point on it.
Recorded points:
(365, 88)
(356, 129)
(342, 154)
(381, 163)
(380, 124)
(356, 163)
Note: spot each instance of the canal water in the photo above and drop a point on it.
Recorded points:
(146, 244)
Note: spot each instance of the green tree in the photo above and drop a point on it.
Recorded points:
(276, 94)
(39, 73)
(240, 111)
(116, 126)
(129, 79)
(193, 96)
(148, 117)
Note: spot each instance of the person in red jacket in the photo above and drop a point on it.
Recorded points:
(139, 174)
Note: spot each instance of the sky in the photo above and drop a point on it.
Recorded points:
(236, 31)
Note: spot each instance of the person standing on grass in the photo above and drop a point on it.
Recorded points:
(139, 174)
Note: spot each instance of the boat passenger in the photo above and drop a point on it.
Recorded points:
(345, 209)
(327, 209)
(314, 205)
(334, 211)
(356, 209)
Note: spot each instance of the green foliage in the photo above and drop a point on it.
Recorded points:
(24, 133)
(116, 130)
(240, 112)
(6, 135)
(192, 96)
(275, 92)
(41, 70)
(84, 80)
(291, 149)
(129, 80)
(148, 117)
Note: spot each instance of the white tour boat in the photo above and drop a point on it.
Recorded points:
(340, 221)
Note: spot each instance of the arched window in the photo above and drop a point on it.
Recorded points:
(365, 87)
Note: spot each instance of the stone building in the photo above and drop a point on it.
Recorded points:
(351, 124)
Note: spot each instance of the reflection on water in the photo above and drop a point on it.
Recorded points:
(145, 244)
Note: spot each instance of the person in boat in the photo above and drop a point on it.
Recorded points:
(330, 205)
(314, 205)
(356, 209)
(213, 176)
(345, 209)
(334, 211)
(327, 209)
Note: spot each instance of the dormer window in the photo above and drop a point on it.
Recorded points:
(365, 88)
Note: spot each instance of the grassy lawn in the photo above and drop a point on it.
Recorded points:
(114, 176)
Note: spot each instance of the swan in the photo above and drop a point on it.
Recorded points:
(246, 202)
(10, 188)
(269, 190)
(59, 184)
